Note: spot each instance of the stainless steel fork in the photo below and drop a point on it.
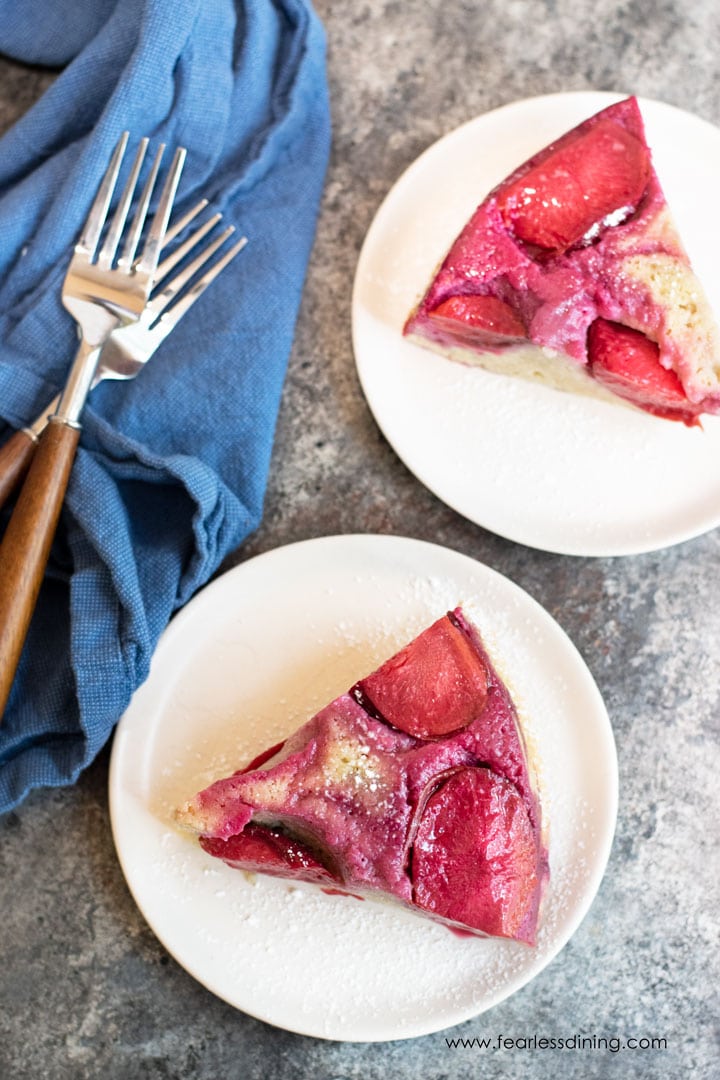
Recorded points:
(101, 295)
(129, 347)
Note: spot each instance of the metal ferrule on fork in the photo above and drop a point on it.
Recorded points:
(77, 387)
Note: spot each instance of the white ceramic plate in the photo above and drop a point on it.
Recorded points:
(253, 656)
(548, 469)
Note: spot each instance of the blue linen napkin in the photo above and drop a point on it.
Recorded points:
(171, 471)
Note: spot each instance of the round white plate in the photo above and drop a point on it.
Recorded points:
(250, 659)
(548, 469)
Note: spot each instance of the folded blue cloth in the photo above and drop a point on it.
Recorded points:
(171, 471)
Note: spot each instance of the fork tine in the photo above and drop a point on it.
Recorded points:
(179, 254)
(151, 251)
(125, 261)
(98, 211)
(160, 301)
(175, 229)
(170, 318)
(107, 253)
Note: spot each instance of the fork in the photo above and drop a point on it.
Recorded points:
(128, 348)
(100, 296)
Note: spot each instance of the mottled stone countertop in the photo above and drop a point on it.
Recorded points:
(86, 989)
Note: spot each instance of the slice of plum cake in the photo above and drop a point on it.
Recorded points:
(572, 272)
(414, 786)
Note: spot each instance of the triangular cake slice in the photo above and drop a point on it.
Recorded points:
(572, 272)
(414, 786)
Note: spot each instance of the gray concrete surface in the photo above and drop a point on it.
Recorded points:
(86, 990)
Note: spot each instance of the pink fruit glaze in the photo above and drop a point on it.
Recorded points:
(474, 857)
(345, 800)
(552, 244)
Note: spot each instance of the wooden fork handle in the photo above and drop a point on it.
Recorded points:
(15, 458)
(26, 545)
